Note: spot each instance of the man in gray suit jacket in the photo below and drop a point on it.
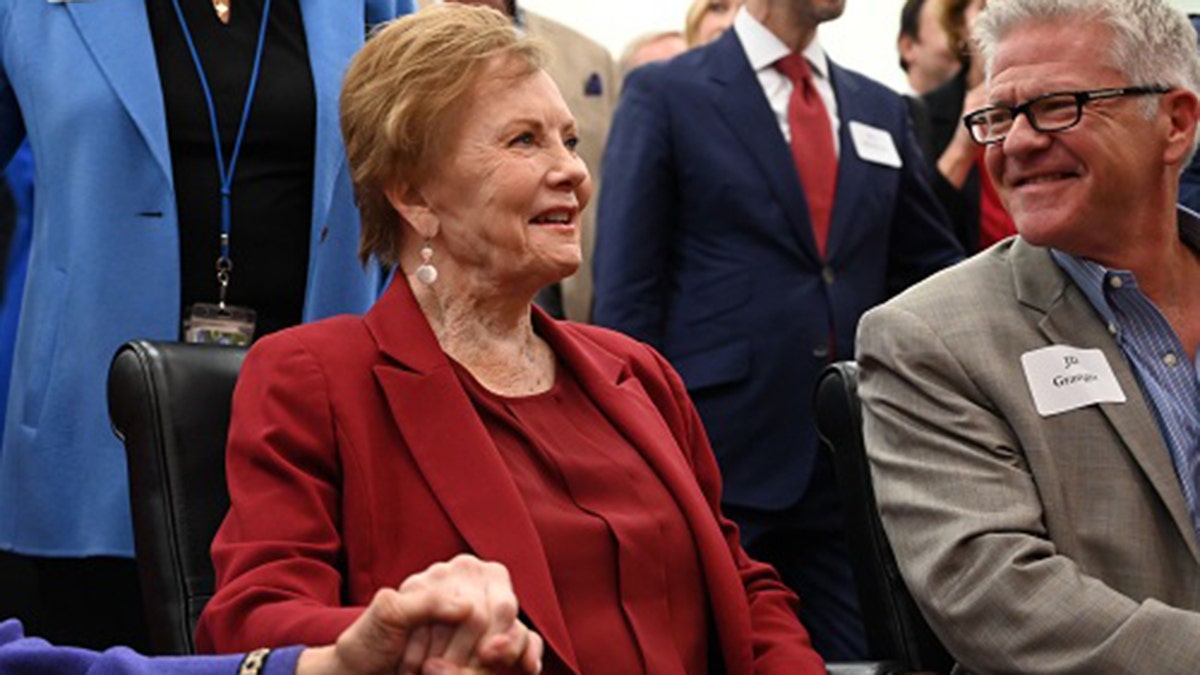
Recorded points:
(1032, 416)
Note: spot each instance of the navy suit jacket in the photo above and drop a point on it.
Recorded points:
(705, 251)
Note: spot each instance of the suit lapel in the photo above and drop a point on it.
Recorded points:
(1071, 320)
(853, 173)
(622, 399)
(333, 31)
(118, 36)
(740, 100)
(458, 459)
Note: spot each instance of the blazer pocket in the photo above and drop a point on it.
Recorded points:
(712, 367)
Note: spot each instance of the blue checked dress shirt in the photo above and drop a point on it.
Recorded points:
(1169, 377)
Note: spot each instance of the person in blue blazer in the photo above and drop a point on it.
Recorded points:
(110, 102)
(706, 251)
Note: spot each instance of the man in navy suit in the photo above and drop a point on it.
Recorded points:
(707, 250)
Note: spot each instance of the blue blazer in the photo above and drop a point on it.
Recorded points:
(705, 251)
(79, 79)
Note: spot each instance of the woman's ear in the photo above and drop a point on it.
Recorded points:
(412, 207)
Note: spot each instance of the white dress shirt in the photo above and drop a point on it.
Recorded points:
(763, 50)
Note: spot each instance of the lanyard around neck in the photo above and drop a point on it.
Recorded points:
(224, 263)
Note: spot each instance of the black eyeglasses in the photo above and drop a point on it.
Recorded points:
(1048, 112)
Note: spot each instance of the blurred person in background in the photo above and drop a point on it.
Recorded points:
(926, 53)
(189, 169)
(707, 19)
(643, 49)
(963, 185)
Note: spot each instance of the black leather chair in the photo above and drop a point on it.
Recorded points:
(896, 631)
(170, 404)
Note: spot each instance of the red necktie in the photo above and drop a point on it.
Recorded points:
(812, 144)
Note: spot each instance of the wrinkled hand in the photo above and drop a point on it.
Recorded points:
(489, 636)
(455, 618)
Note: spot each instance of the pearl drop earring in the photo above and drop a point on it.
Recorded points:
(427, 273)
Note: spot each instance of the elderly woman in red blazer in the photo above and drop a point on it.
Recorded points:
(456, 417)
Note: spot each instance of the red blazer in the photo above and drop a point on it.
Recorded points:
(355, 459)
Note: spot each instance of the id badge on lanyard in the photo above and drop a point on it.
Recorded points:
(213, 324)
(222, 323)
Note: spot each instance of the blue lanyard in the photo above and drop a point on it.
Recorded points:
(224, 263)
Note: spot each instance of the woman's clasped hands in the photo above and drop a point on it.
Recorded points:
(455, 618)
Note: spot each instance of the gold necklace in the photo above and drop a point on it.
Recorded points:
(221, 7)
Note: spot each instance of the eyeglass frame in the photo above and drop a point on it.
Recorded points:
(1081, 98)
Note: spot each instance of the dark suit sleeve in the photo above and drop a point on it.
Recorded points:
(637, 213)
(918, 114)
(943, 115)
(1189, 186)
(952, 199)
(277, 555)
(922, 241)
(962, 211)
(781, 644)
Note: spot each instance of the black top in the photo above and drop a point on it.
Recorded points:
(945, 108)
(273, 182)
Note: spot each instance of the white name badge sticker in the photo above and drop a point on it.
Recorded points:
(874, 145)
(1063, 378)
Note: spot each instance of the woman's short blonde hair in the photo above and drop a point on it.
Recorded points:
(696, 13)
(691, 25)
(403, 95)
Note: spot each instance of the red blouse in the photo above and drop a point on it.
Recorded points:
(621, 555)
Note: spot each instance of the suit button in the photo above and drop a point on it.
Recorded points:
(827, 275)
(821, 351)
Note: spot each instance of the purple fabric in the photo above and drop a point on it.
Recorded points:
(20, 655)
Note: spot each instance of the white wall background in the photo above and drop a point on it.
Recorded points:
(864, 39)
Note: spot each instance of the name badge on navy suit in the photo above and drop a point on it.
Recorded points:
(875, 145)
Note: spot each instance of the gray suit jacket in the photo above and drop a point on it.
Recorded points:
(1032, 545)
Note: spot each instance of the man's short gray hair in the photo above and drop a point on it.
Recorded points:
(1153, 43)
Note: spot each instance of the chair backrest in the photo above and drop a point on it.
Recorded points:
(170, 403)
(895, 629)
